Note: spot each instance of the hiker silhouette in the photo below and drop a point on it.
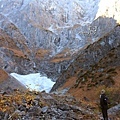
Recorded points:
(104, 104)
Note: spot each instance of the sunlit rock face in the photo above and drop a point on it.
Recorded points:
(50, 24)
(110, 9)
(49, 33)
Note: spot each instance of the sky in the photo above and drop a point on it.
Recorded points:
(35, 81)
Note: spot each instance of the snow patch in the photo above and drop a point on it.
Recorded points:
(78, 37)
(35, 81)
(102, 43)
(111, 42)
(25, 3)
(1, 6)
(51, 28)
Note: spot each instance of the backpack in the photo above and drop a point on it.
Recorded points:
(103, 100)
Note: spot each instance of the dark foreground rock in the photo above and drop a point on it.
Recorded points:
(114, 111)
(41, 106)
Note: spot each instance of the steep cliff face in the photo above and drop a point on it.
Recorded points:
(49, 33)
(48, 24)
(43, 32)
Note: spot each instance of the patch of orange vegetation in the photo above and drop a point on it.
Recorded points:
(76, 26)
(117, 78)
(70, 82)
(41, 53)
(60, 59)
(6, 40)
(92, 94)
(79, 93)
(17, 97)
(18, 53)
(3, 75)
(62, 56)
(8, 43)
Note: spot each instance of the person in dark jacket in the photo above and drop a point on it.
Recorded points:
(104, 104)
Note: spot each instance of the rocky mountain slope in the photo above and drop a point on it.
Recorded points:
(43, 106)
(32, 105)
(75, 43)
(52, 31)
(96, 67)
(92, 55)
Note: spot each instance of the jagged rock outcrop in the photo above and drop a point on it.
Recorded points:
(114, 110)
(36, 21)
(35, 27)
